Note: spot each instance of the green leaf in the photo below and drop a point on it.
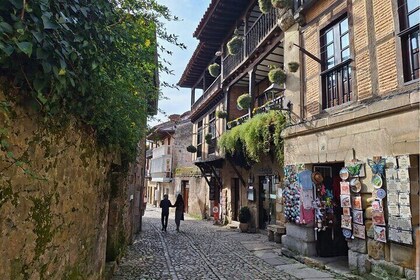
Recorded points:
(48, 24)
(41, 98)
(39, 84)
(38, 36)
(47, 67)
(62, 72)
(7, 49)
(6, 27)
(10, 154)
(25, 47)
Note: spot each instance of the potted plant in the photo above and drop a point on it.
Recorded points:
(208, 138)
(244, 101)
(265, 6)
(191, 149)
(234, 45)
(281, 4)
(214, 69)
(244, 218)
(277, 75)
(221, 114)
(293, 66)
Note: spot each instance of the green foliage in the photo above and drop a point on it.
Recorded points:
(293, 66)
(234, 45)
(221, 114)
(191, 149)
(94, 60)
(265, 6)
(244, 214)
(281, 4)
(258, 136)
(277, 76)
(214, 69)
(244, 101)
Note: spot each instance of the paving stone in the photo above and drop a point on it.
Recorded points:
(202, 250)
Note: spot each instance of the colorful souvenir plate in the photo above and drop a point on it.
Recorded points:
(381, 193)
(347, 233)
(344, 173)
(377, 181)
(355, 184)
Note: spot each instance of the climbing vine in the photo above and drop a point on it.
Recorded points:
(258, 136)
(95, 60)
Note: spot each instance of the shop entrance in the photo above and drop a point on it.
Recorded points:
(266, 201)
(235, 198)
(185, 190)
(330, 240)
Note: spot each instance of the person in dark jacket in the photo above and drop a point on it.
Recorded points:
(179, 210)
(165, 203)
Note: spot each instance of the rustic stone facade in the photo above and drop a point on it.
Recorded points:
(55, 200)
(381, 120)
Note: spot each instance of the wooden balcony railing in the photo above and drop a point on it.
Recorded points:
(237, 121)
(275, 104)
(207, 93)
(256, 34)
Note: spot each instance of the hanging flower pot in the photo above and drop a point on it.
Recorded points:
(286, 21)
(281, 4)
(221, 114)
(244, 101)
(208, 138)
(265, 6)
(234, 45)
(277, 76)
(191, 149)
(214, 69)
(293, 66)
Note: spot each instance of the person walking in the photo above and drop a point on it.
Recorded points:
(165, 203)
(179, 210)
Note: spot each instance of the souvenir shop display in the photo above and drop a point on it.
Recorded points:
(346, 222)
(345, 203)
(398, 199)
(345, 187)
(358, 217)
(345, 200)
(355, 185)
(357, 202)
(379, 233)
(359, 231)
(346, 211)
(291, 193)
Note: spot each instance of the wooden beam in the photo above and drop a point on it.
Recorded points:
(237, 171)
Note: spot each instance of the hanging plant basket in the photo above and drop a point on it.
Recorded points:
(293, 66)
(221, 114)
(277, 76)
(191, 149)
(281, 4)
(214, 69)
(234, 45)
(265, 6)
(208, 138)
(244, 101)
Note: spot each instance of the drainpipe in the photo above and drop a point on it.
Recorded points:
(251, 85)
(301, 82)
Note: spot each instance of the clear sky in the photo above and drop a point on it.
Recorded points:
(190, 12)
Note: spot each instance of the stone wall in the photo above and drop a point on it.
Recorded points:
(54, 199)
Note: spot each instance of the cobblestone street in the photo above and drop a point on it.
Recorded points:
(204, 251)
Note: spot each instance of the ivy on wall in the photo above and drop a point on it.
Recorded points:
(95, 60)
(258, 136)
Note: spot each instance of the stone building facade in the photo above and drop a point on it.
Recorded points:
(354, 100)
(66, 207)
(374, 113)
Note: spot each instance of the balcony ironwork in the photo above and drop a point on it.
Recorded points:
(212, 145)
(275, 104)
(207, 93)
(237, 121)
(337, 85)
(253, 38)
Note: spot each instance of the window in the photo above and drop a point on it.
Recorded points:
(199, 138)
(212, 131)
(335, 56)
(409, 15)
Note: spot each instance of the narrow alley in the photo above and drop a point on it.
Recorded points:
(202, 250)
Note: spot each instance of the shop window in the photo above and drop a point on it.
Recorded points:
(409, 17)
(335, 56)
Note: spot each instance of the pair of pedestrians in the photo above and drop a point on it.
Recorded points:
(179, 211)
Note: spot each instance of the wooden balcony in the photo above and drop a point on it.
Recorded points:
(207, 94)
(253, 38)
